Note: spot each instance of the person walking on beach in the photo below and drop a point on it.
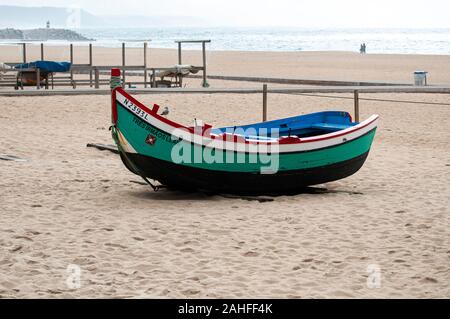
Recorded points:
(363, 48)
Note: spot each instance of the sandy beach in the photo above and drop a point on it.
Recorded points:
(72, 205)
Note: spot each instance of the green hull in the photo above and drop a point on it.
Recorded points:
(136, 132)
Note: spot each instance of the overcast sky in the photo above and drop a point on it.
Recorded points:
(296, 13)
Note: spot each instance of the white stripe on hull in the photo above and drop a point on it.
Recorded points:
(125, 144)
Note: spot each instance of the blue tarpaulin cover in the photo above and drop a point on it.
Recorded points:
(46, 66)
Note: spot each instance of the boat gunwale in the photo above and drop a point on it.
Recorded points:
(235, 138)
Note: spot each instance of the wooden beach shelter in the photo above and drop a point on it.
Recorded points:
(135, 67)
(203, 67)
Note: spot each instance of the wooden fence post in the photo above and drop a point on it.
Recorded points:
(356, 102)
(42, 52)
(123, 64)
(153, 78)
(145, 64)
(205, 82)
(24, 52)
(91, 63)
(38, 78)
(180, 59)
(71, 62)
(265, 103)
(97, 78)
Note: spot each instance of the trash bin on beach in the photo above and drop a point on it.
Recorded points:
(420, 78)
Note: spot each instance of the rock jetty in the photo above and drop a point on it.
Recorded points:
(42, 35)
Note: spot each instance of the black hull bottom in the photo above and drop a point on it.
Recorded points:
(194, 179)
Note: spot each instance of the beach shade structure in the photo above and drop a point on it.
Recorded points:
(31, 72)
(276, 157)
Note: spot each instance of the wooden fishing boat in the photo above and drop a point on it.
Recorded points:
(277, 157)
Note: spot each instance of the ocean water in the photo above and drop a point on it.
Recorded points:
(410, 41)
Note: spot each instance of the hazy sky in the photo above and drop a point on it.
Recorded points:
(301, 13)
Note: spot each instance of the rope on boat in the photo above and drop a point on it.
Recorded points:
(369, 99)
(115, 82)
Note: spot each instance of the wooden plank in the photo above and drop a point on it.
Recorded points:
(297, 81)
(11, 158)
(305, 90)
(138, 83)
(103, 147)
(79, 68)
(19, 70)
(62, 85)
(9, 84)
(8, 76)
(193, 41)
(87, 82)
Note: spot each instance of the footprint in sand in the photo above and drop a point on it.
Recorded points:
(16, 249)
(23, 237)
(251, 254)
(33, 233)
(191, 292)
(429, 280)
(115, 246)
